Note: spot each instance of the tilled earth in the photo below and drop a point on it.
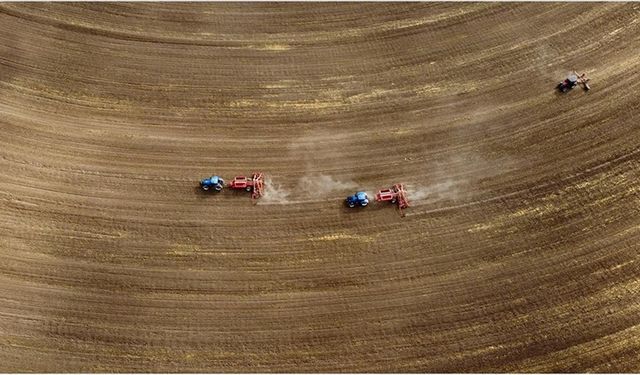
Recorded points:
(520, 251)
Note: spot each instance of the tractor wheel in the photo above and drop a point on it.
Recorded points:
(393, 201)
(205, 187)
(352, 205)
(248, 188)
(218, 188)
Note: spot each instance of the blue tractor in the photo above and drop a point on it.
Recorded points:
(214, 182)
(358, 199)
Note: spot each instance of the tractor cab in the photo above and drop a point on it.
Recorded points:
(360, 198)
(214, 182)
(572, 80)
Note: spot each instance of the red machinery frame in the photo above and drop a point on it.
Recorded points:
(255, 184)
(396, 194)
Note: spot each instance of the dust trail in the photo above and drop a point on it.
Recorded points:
(459, 176)
(321, 150)
(274, 193)
(308, 189)
(322, 185)
(441, 191)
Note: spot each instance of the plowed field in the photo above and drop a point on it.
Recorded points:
(520, 251)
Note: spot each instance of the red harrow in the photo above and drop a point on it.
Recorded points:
(254, 185)
(397, 195)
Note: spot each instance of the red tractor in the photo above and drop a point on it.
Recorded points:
(254, 185)
(396, 195)
(573, 80)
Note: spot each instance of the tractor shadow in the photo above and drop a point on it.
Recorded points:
(202, 194)
(199, 192)
(210, 194)
(351, 211)
(558, 93)
(345, 209)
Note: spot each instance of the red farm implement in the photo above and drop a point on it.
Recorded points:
(396, 195)
(254, 185)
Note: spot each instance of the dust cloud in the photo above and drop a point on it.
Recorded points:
(323, 185)
(274, 193)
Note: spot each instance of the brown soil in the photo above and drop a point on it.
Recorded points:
(520, 252)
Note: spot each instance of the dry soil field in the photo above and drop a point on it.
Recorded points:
(520, 252)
